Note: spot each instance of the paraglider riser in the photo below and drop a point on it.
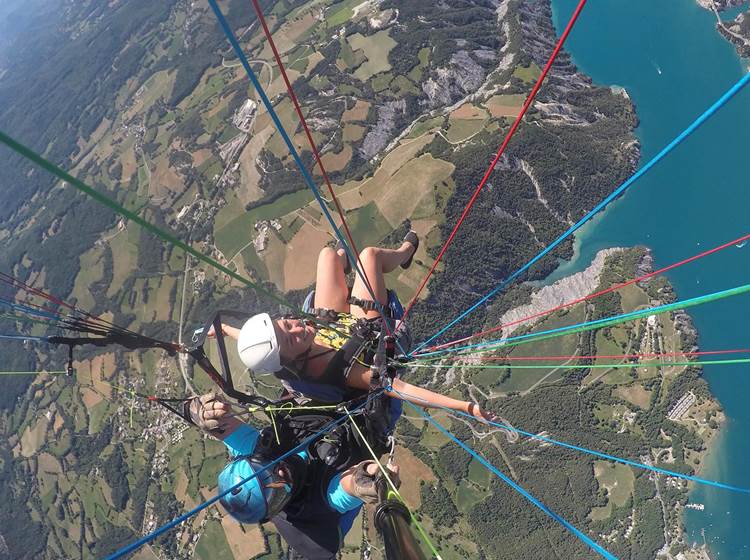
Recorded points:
(392, 522)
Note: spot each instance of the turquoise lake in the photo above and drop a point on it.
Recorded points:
(674, 64)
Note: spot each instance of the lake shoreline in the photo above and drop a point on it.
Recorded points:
(681, 207)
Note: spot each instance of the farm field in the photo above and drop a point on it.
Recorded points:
(617, 480)
(375, 48)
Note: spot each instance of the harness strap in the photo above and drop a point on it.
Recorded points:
(369, 305)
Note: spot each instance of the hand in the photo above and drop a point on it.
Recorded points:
(368, 478)
(226, 330)
(393, 471)
(209, 412)
(485, 415)
(212, 331)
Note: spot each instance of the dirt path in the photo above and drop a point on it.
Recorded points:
(253, 61)
(505, 458)
(440, 132)
(543, 379)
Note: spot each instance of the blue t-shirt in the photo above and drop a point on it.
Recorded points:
(243, 441)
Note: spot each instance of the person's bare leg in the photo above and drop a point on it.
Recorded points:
(331, 290)
(376, 263)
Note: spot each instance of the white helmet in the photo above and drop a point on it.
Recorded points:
(257, 344)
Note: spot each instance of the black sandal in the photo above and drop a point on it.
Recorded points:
(412, 238)
(348, 267)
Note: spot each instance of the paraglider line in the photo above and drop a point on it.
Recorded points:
(32, 372)
(96, 321)
(707, 114)
(23, 337)
(295, 156)
(500, 152)
(586, 366)
(608, 356)
(597, 294)
(394, 489)
(310, 140)
(596, 324)
(48, 166)
(589, 451)
(492, 468)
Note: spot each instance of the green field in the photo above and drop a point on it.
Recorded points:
(350, 59)
(527, 73)
(479, 474)
(432, 437)
(340, 13)
(368, 225)
(91, 270)
(301, 52)
(633, 297)
(299, 65)
(618, 376)
(253, 262)
(401, 85)
(467, 496)
(97, 416)
(461, 129)
(240, 231)
(618, 480)
(376, 49)
(485, 378)
(605, 346)
(210, 469)
(381, 81)
(415, 74)
(423, 126)
(213, 543)
(218, 120)
(213, 86)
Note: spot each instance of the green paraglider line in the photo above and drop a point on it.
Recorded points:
(587, 326)
(50, 167)
(587, 366)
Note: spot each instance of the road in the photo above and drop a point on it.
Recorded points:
(254, 61)
(182, 358)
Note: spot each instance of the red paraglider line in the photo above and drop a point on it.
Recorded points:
(8, 279)
(500, 152)
(95, 321)
(737, 241)
(311, 141)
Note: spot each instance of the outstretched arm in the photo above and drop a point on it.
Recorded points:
(359, 378)
(425, 397)
(227, 330)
